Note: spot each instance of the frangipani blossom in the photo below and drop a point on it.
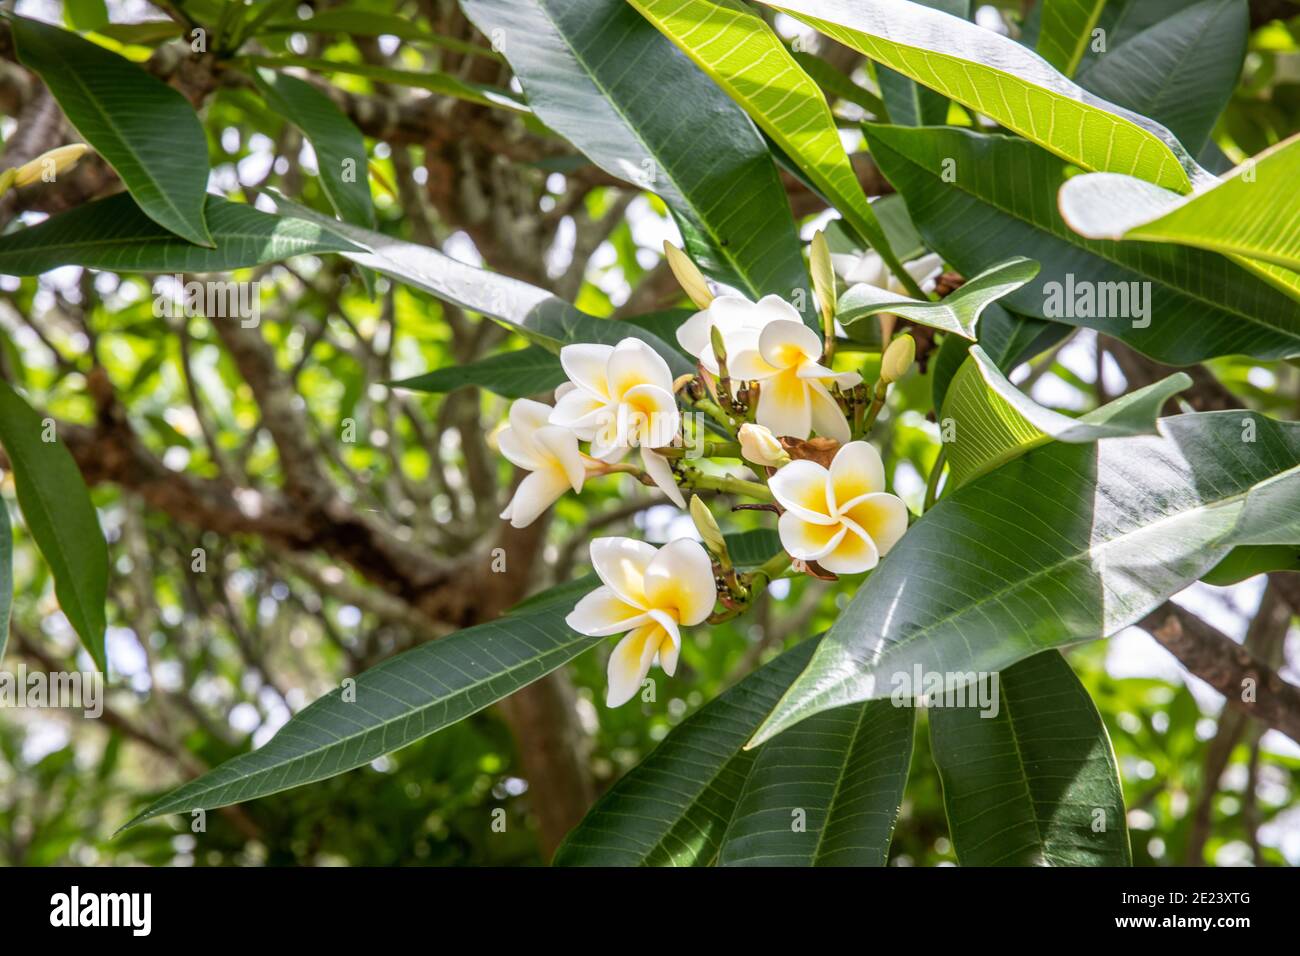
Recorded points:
(549, 452)
(869, 268)
(740, 322)
(840, 517)
(759, 446)
(650, 593)
(620, 397)
(794, 388)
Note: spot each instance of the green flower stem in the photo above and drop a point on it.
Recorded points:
(877, 403)
(726, 484)
(711, 449)
(932, 486)
(714, 411)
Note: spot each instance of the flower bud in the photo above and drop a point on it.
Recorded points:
(760, 446)
(897, 359)
(7, 179)
(56, 160)
(823, 275)
(708, 528)
(688, 276)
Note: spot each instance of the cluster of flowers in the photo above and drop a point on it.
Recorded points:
(763, 378)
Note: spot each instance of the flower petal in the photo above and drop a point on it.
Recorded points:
(648, 415)
(868, 268)
(669, 652)
(827, 417)
(535, 494)
(856, 471)
(586, 365)
(882, 516)
(808, 541)
(772, 308)
(748, 364)
(630, 662)
(800, 487)
(634, 363)
(788, 344)
(661, 473)
(602, 613)
(680, 580)
(518, 451)
(853, 554)
(577, 409)
(783, 405)
(621, 563)
(561, 445)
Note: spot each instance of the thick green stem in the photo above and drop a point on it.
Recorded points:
(726, 484)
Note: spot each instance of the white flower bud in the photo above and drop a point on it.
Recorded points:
(760, 446)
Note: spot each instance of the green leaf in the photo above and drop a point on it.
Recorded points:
(6, 575)
(742, 54)
(405, 698)
(440, 83)
(749, 549)
(1252, 559)
(1253, 212)
(908, 102)
(85, 15)
(1006, 337)
(1065, 31)
(1179, 69)
(996, 76)
(60, 518)
(995, 422)
(340, 149)
(606, 80)
(510, 374)
(956, 314)
(844, 771)
(535, 313)
(142, 127)
(1024, 786)
(1197, 303)
(114, 234)
(1066, 543)
(673, 808)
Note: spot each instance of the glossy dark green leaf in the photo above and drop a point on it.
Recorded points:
(910, 103)
(1065, 31)
(395, 703)
(1252, 559)
(1066, 543)
(60, 517)
(1196, 304)
(826, 793)
(114, 234)
(510, 374)
(1006, 337)
(340, 150)
(673, 808)
(1180, 70)
(536, 314)
(604, 78)
(85, 15)
(143, 128)
(1031, 781)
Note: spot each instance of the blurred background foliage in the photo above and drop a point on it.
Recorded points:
(204, 666)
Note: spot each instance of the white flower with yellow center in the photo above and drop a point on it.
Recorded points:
(840, 517)
(740, 322)
(794, 387)
(650, 593)
(549, 452)
(621, 397)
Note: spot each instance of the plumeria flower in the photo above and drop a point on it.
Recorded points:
(650, 593)
(870, 269)
(549, 452)
(740, 322)
(620, 397)
(794, 388)
(840, 517)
